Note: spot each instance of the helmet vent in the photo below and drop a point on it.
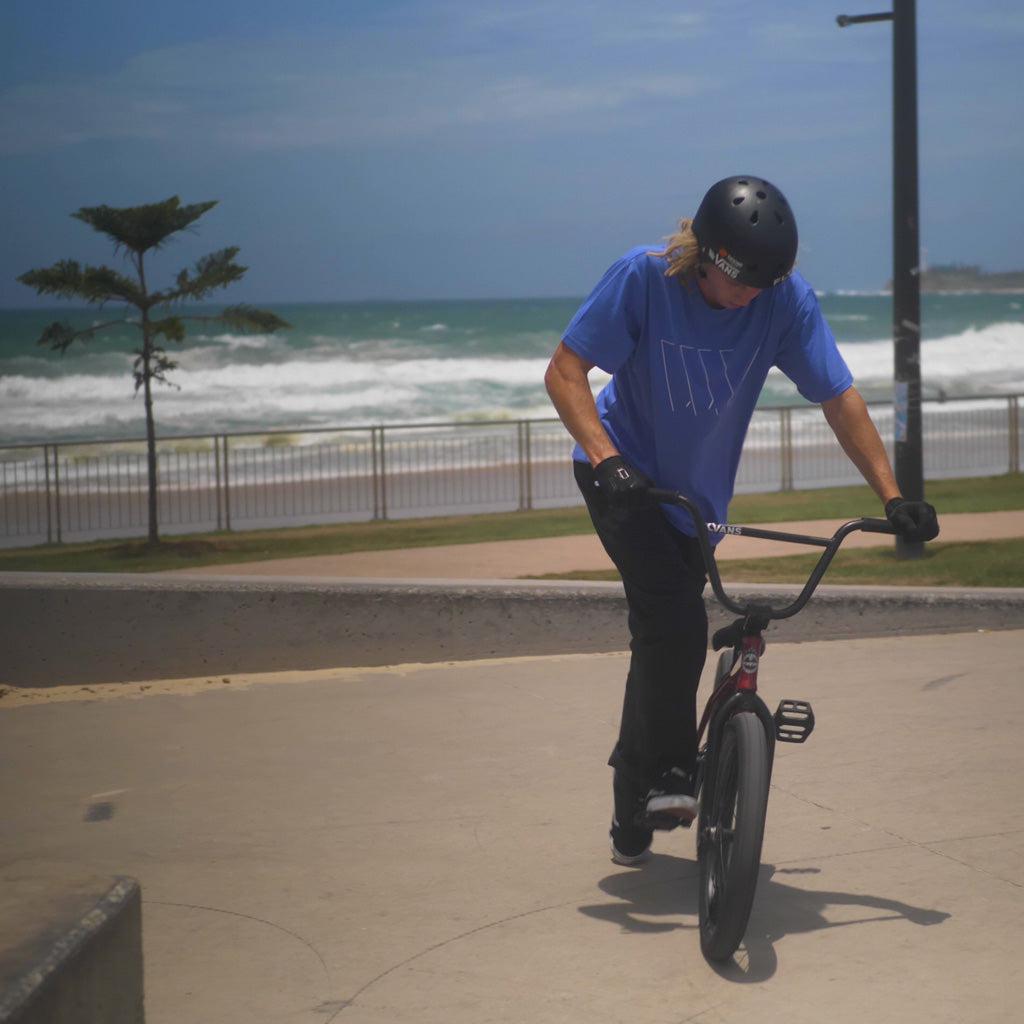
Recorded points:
(738, 200)
(753, 217)
(779, 217)
(762, 195)
(742, 181)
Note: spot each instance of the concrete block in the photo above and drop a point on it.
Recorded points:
(70, 948)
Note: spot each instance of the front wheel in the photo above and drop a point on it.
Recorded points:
(730, 832)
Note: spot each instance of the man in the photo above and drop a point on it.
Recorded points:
(689, 334)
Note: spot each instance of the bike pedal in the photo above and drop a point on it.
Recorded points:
(794, 721)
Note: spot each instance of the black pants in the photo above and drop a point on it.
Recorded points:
(663, 575)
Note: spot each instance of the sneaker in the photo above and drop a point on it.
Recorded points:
(672, 797)
(631, 845)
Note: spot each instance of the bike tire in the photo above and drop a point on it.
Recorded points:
(730, 833)
(726, 660)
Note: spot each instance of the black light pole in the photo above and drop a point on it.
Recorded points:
(906, 248)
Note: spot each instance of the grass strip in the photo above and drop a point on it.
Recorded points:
(969, 494)
(983, 563)
(975, 494)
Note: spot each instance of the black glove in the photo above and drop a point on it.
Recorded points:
(621, 484)
(912, 520)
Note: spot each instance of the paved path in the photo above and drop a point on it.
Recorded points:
(427, 844)
(518, 558)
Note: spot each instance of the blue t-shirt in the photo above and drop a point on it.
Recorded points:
(686, 377)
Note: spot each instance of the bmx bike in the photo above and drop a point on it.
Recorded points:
(737, 735)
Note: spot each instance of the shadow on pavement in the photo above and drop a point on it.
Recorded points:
(652, 899)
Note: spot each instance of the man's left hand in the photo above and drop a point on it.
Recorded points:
(914, 521)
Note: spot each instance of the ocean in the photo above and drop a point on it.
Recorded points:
(352, 364)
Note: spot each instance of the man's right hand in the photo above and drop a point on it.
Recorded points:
(621, 484)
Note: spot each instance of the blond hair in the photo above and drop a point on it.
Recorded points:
(681, 251)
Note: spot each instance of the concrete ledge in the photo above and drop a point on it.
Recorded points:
(60, 629)
(70, 948)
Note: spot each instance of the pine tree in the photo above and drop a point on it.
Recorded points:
(137, 230)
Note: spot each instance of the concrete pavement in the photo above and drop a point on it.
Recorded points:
(428, 843)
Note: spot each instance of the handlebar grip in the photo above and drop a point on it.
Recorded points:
(877, 526)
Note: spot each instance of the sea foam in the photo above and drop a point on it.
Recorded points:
(977, 359)
(220, 388)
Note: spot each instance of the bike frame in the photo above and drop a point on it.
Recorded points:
(740, 680)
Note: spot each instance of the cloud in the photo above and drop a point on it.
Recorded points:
(653, 26)
(591, 22)
(453, 70)
(268, 102)
(523, 68)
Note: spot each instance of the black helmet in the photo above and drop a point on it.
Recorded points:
(746, 228)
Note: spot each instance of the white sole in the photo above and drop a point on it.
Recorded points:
(676, 804)
(627, 862)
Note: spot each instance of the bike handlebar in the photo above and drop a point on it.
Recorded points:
(830, 544)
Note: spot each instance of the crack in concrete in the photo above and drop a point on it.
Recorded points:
(699, 1013)
(972, 867)
(247, 917)
(982, 835)
(804, 799)
(447, 942)
(905, 841)
(938, 853)
(840, 853)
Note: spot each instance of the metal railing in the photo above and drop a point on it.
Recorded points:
(51, 493)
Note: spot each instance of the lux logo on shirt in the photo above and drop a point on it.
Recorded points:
(700, 380)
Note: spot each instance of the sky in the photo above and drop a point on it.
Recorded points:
(416, 149)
